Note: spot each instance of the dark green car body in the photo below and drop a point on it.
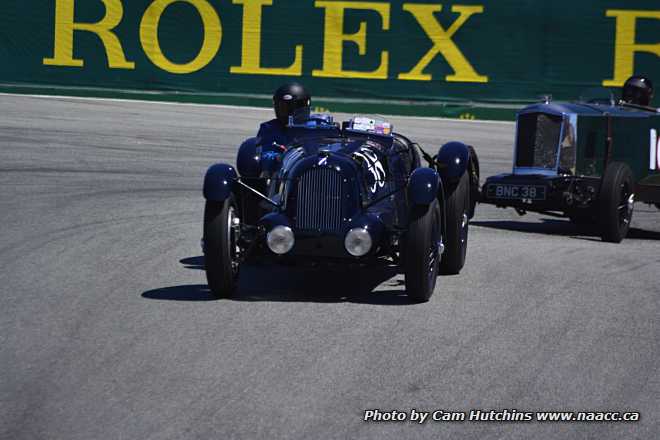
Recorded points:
(563, 152)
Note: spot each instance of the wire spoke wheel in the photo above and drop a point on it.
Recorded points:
(626, 207)
(222, 251)
(234, 230)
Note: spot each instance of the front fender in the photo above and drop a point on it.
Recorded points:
(248, 160)
(219, 182)
(453, 161)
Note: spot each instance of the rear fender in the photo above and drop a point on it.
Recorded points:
(219, 182)
(453, 160)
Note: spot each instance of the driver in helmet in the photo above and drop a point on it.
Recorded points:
(638, 90)
(289, 99)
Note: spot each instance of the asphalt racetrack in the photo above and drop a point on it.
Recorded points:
(107, 329)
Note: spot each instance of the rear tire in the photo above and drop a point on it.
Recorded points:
(421, 253)
(456, 236)
(220, 247)
(475, 188)
(616, 202)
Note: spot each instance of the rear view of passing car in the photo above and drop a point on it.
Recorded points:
(351, 194)
(589, 161)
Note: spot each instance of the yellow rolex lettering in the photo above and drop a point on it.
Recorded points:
(65, 27)
(443, 43)
(251, 53)
(334, 38)
(625, 46)
(210, 45)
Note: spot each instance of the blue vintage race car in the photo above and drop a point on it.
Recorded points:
(355, 193)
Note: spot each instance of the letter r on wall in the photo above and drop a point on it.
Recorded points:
(625, 46)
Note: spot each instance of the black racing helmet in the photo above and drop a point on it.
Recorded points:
(638, 90)
(291, 99)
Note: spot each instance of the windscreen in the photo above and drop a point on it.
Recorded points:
(598, 95)
(538, 140)
(568, 144)
(303, 118)
(370, 124)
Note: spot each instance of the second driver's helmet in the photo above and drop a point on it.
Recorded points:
(291, 99)
(638, 90)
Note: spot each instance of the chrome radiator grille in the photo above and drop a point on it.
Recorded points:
(538, 140)
(319, 201)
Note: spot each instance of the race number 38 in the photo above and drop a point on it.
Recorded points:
(654, 157)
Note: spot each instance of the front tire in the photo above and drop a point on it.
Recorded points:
(221, 230)
(616, 202)
(456, 236)
(421, 252)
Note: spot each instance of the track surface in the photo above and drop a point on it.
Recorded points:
(107, 330)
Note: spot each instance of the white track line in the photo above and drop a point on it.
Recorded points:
(228, 106)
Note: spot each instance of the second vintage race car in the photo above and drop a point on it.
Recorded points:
(355, 193)
(589, 161)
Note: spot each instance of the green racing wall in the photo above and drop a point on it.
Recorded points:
(468, 59)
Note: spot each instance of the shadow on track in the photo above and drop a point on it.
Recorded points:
(282, 283)
(193, 263)
(560, 227)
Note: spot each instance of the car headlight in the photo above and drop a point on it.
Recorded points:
(280, 239)
(358, 242)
